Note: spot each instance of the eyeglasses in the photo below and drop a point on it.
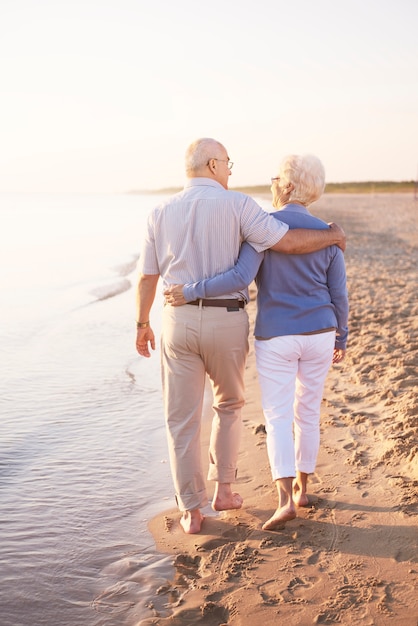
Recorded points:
(273, 180)
(230, 163)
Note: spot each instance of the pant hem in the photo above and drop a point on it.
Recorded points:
(306, 471)
(189, 503)
(286, 473)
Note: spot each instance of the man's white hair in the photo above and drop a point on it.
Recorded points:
(199, 153)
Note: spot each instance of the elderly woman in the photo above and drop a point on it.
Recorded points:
(300, 329)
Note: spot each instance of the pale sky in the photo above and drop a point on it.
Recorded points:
(105, 95)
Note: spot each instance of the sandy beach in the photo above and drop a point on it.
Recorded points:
(351, 556)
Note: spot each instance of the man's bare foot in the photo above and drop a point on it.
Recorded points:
(280, 517)
(191, 521)
(227, 502)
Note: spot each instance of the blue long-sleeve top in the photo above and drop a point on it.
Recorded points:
(296, 293)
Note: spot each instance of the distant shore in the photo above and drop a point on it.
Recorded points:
(380, 186)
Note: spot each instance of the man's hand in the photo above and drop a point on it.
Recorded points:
(340, 234)
(143, 336)
(174, 295)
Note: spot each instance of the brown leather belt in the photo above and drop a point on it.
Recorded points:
(230, 304)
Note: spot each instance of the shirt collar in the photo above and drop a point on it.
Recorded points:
(200, 181)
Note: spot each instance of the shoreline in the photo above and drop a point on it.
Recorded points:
(351, 556)
(367, 187)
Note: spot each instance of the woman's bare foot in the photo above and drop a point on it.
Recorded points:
(191, 521)
(300, 499)
(280, 517)
(224, 499)
(300, 485)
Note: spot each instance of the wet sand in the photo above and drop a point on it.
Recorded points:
(351, 556)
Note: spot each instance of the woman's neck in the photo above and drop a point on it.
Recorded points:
(280, 206)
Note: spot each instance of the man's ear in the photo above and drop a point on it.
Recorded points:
(212, 165)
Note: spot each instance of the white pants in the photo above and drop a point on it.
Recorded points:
(292, 370)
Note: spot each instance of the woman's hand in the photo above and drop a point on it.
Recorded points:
(174, 295)
(338, 355)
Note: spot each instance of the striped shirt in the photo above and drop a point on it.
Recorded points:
(198, 232)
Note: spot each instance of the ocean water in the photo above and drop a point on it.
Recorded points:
(83, 458)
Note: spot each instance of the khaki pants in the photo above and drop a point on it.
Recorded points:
(197, 341)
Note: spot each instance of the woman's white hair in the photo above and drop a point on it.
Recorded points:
(307, 175)
(199, 153)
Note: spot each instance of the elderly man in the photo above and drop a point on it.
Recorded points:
(197, 234)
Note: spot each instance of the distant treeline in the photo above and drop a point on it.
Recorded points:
(380, 186)
(372, 186)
